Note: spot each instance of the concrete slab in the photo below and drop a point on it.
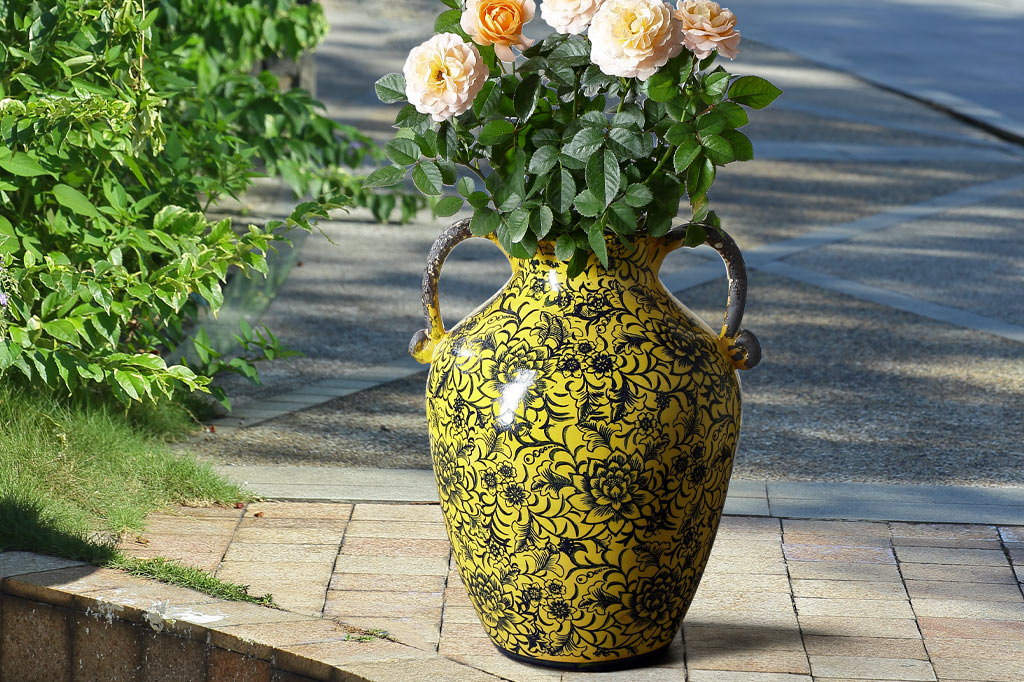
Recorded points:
(873, 510)
(873, 153)
(21, 563)
(969, 258)
(302, 475)
(746, 506)
(745, 488)
(383, 427)
(779, 491)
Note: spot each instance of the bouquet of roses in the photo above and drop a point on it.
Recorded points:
(578, 136)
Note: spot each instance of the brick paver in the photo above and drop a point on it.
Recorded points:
(801, 600)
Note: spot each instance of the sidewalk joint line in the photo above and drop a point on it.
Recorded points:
(898, 301)
(768, 258)
(320, 392)
(838, 115)
(785, 150)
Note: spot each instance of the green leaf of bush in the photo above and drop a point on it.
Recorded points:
(716, 83)
(735, 115)
(408, 117)
(685, 154)
(466, 187)
(695, 235)
(543, 160)
(561, 191)
(629, 142)
(447, 206)
(449, 22)
(427, 177)
(564, 247)
(679, 133)
(622, 218)
(638, 195)
(588, 205)
(496, 132)
(384, 177)
(487, 100)
(23, 165)
(447, 141)
(699, 177)
(594, 77)
(663, 85)
(527, 95)
(541, 220)
(717, 149)
(710, 123)
(584, 144)
(131, 383)
(518, 223)
(753, 91)
(485, 221)
(603, 177)
(390, 88)
(478, 199)
(573, 51)
(595, 237)
(62, 330)
(402, 151)
(71, 198)
(742, 149)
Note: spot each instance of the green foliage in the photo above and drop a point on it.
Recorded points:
(219, 42)
(570, 154)
(121, 122)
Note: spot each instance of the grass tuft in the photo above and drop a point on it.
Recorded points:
(68, 470)
(75, 474)
(186, 576)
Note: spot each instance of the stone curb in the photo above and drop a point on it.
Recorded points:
(75, 619)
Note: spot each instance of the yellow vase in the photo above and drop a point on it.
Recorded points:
(582, 433)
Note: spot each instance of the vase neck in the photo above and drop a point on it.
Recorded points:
(641, 262)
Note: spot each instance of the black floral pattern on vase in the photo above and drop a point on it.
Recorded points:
(582, 434)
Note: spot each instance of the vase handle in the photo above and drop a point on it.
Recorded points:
(421, 348)
(741, 346)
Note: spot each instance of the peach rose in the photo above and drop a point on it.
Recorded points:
(499, 23)
(634, 38)
(569, 16)
(443, 75)
(707, 27)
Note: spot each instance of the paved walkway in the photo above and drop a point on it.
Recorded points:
(783, 600)
(885, 253)
(906, 45)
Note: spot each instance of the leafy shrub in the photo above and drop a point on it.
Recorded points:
(219, 43)
(120, 123)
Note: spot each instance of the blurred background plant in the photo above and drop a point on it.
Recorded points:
(121, 123)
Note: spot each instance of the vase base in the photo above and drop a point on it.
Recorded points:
(637, 661)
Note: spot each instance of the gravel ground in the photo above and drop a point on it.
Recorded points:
(853, 391)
